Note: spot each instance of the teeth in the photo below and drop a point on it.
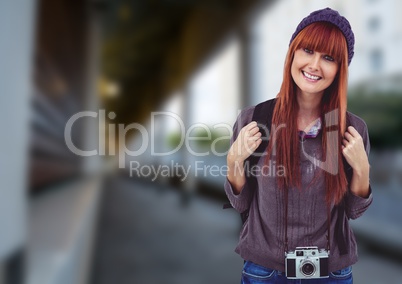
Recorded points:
(311, 76)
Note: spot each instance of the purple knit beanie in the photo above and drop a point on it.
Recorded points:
(331, 16)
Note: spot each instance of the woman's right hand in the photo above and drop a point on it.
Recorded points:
(246, 143)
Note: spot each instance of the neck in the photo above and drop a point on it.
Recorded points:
(309, 105)
(309, 110)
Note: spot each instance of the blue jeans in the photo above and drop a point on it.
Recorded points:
(255, 274)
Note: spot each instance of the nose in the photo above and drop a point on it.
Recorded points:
(315, 61)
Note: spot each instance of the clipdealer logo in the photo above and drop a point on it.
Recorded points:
(148, 142)
(148, 139)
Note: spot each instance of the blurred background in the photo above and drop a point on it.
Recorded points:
(100, 184)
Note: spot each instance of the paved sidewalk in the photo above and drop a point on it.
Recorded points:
(149, 237)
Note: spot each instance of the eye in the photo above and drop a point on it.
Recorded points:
(329, 58)
(308, 50)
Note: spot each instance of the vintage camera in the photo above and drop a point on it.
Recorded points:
(306, 262)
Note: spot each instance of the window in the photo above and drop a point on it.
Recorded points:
(376, 59)
(374, 24)
(215, 90)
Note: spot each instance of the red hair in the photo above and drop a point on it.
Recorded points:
(325, 38)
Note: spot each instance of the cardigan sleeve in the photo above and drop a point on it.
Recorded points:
(240, 202)
(357, 205)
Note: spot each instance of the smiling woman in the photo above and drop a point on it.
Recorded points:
(304, 213)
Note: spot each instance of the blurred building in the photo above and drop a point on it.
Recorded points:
(49, 64)
(378, 42)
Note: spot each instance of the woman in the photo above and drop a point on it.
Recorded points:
(297, 230)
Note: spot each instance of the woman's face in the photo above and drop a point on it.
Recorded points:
(313, 71)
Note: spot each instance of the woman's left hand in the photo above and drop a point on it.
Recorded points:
(355, 154)
(353, 150)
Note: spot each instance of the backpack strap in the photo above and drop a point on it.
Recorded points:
(340, 234)
(263, 116)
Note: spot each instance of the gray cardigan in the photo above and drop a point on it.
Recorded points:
(262, 235)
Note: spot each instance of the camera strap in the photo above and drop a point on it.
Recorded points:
(286, 223)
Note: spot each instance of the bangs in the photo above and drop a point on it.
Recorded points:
(324, 37)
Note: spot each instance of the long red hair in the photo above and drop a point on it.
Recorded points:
(325, 38)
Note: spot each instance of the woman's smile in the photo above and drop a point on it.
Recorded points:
(310, 77)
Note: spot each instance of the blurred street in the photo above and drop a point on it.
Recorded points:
(149, 233)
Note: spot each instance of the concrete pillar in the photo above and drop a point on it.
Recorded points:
(190, 183)
(245, 65)
(94, 128)
(17, 22)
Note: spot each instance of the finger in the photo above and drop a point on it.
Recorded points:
(250, 125)
(252, 146)
(257, 135)
(258, 142)
(348, 136)
(253, 142)
(345, 142)
(353, 131)
(253, 139)
(253, 131)
(246, 129)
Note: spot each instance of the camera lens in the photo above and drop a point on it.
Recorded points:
(307, 268)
